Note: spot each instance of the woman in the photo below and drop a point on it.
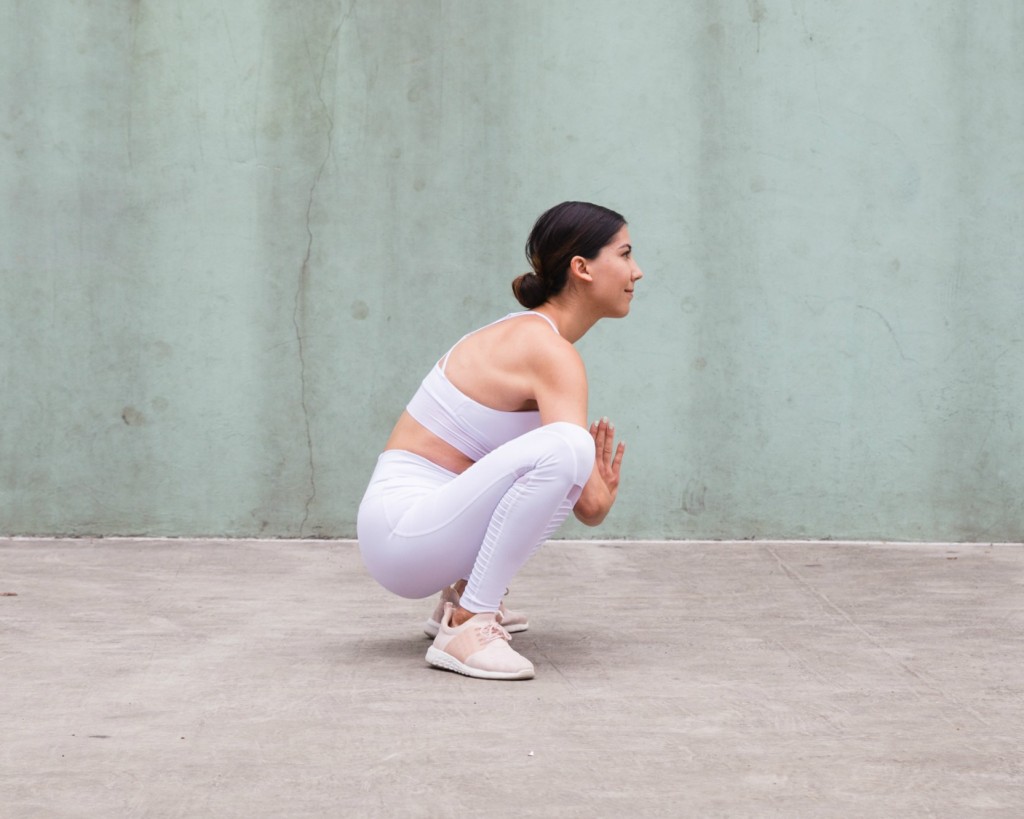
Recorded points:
(493, 451)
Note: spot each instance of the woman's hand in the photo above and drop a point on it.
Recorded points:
(606, 466)
(599, 493)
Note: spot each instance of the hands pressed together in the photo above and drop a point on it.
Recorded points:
(603, 485)
(607, 465)
(600, 492)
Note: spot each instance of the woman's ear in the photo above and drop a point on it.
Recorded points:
(578, 269)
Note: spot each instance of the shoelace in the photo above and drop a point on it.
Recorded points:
(493, 631)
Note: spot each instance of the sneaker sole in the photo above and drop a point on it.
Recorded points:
(445, 661)
(431, 627)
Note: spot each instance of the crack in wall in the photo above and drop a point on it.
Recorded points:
(303, 285)
(892, 332)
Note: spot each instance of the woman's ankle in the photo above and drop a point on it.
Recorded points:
(459, 616)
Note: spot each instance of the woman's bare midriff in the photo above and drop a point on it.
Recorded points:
(410, 435)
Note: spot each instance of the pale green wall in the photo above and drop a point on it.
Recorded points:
(235, 235)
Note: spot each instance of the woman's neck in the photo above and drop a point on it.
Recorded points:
(572, 321)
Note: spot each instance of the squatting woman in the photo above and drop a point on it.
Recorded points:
(494, 451)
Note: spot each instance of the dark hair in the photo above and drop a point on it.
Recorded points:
(566, 230)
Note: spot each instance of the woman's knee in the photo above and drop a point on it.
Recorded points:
(573, 454)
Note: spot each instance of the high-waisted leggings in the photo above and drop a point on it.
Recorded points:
(422, 527)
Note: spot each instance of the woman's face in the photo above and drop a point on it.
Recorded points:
(615, 273)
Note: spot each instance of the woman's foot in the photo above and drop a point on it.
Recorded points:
(477, 648)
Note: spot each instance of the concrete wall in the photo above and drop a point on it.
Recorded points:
(235, 235)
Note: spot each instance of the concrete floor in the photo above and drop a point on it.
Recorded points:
(250, 679)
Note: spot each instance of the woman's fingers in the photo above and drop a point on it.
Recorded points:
(603, 432)
(617, 463)
(599, 429)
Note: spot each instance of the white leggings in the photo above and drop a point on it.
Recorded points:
(422, 527)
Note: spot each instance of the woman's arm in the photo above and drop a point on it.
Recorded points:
(601, 490)
(561, 392)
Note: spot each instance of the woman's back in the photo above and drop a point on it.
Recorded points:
(481, 392)
(492, 365)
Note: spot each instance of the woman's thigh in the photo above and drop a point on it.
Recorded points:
(422, 527)
(418, 536)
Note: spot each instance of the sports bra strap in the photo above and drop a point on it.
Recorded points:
(444, 361)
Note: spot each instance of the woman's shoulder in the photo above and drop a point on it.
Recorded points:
(519, 342)
(544, 350)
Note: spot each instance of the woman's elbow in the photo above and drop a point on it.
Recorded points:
(589, 514)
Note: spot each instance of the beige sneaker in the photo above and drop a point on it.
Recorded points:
(513, 622)
(478, 648)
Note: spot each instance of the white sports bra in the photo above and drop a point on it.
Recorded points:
(469, 426)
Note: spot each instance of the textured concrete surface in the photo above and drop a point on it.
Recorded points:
(246, 679)
(236, 235)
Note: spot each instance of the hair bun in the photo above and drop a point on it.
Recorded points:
(529, 290)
